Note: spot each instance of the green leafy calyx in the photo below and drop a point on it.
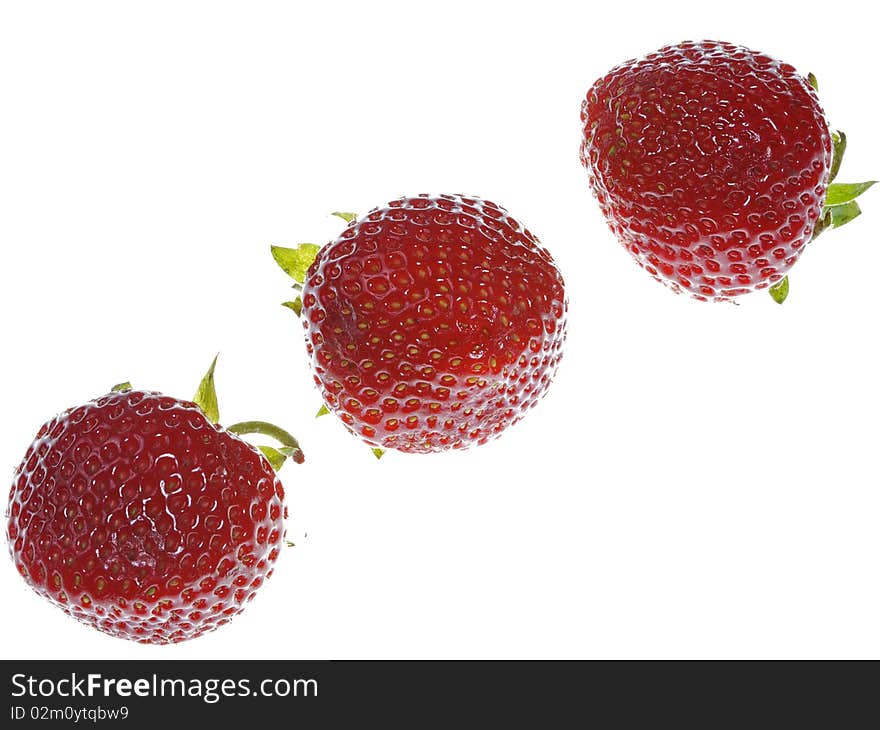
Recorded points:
(296, 305)
(779, 291)
(296, 261)
(840, 200)
(347, 217)
(840, 193)
(206, 395)
(273, 456)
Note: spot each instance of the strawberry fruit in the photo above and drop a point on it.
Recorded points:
(432, 323)
(140, 516)
(712, 164)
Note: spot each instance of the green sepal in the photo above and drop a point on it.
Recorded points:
(813, 81)
(843, 214)
(119, 387)
(779, 291)
(839, 193)
(296, 305)
(296, 261)
(822, 224)
(322, 411)
(347, 217)
(377, 452)
(273, 456)
(206, 396)
(838, 147)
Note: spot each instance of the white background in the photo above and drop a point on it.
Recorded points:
(701, 480)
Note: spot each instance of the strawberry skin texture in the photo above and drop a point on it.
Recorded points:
(433, 323)
(710, 163)
(139, 517)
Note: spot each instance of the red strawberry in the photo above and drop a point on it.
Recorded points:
(712, 164)
(433, 323)
(138, 515)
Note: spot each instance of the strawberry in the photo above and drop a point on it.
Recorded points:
(137, 514)
(432, 323)
(712, 164)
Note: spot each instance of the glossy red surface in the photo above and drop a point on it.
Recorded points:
(710, 162)
(433, 323)
(136, 515)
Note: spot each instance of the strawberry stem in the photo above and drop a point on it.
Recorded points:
(264, 428)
